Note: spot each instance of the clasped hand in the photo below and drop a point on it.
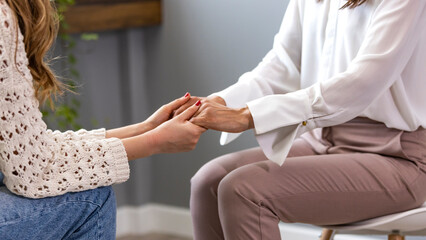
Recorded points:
(178, 125)
(214, 114)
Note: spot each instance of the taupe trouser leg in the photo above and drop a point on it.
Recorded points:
(244, 196)
(204, 185)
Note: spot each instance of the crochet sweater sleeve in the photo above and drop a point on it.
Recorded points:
(37, 162)
(81, 134)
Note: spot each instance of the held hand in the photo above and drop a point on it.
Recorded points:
(178, 134)
(194, 99)
(218, 117)
(165, 112)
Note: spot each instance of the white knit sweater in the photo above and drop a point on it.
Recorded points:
(37, 162)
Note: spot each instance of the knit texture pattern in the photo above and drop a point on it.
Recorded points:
(37, 162)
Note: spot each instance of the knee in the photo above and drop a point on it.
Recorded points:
(233, 187)
(207, 179)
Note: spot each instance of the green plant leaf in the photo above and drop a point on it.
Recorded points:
(71, 59)
(74, 73)
(66, 113)
(89, 36)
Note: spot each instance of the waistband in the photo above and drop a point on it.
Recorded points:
(368, 121)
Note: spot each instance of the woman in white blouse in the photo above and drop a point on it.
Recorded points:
(338, 106)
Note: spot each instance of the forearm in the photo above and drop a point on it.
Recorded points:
(129, 131)
(140, 146)
(175, 135)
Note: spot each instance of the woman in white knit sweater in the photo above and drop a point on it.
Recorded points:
(38, 163)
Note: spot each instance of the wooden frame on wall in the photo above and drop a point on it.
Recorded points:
(102, 15)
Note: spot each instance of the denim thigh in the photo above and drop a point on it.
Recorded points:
(82, 215)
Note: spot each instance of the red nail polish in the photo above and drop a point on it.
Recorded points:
(187, 94)
(198, 103)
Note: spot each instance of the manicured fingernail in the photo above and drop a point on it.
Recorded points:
(187, 95)
(198, 103)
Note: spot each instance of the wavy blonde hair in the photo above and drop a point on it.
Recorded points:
(38, 23)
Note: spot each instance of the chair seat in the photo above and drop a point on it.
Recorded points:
(412, 222)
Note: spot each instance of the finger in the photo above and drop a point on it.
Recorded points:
(188, 113)
(185, 106)
(182, 108)
(201, 129)
(205, 123)
(200, 111)
(199, 122)
(178, 102)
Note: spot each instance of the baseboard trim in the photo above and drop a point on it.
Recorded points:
(158, 218)
(153, 218)
(303, 232)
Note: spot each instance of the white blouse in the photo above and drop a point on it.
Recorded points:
(329, 65)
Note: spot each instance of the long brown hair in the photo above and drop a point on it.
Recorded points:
(38, 23)
(351, 3)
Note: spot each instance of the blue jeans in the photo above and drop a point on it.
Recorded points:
(83, 215)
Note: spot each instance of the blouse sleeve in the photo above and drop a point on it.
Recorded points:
(37, 162)
(277, 73)
(390, 41)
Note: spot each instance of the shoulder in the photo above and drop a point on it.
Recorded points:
(6, 37)
(6, 21)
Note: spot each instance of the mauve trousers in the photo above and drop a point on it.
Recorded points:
(354, 171)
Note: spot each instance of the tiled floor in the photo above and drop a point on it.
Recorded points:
(153, 236)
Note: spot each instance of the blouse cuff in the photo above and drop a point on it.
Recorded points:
(277, 144)
(276, 111)
(279, 120)
(227, 137)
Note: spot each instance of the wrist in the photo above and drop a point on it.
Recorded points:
(153, 142)
(247, 117)
(140, 146)
(153, 138)
(144, 127)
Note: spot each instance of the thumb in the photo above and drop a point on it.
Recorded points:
(188, 113)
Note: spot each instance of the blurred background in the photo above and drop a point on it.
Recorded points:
(125, 69)
(124, 75)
